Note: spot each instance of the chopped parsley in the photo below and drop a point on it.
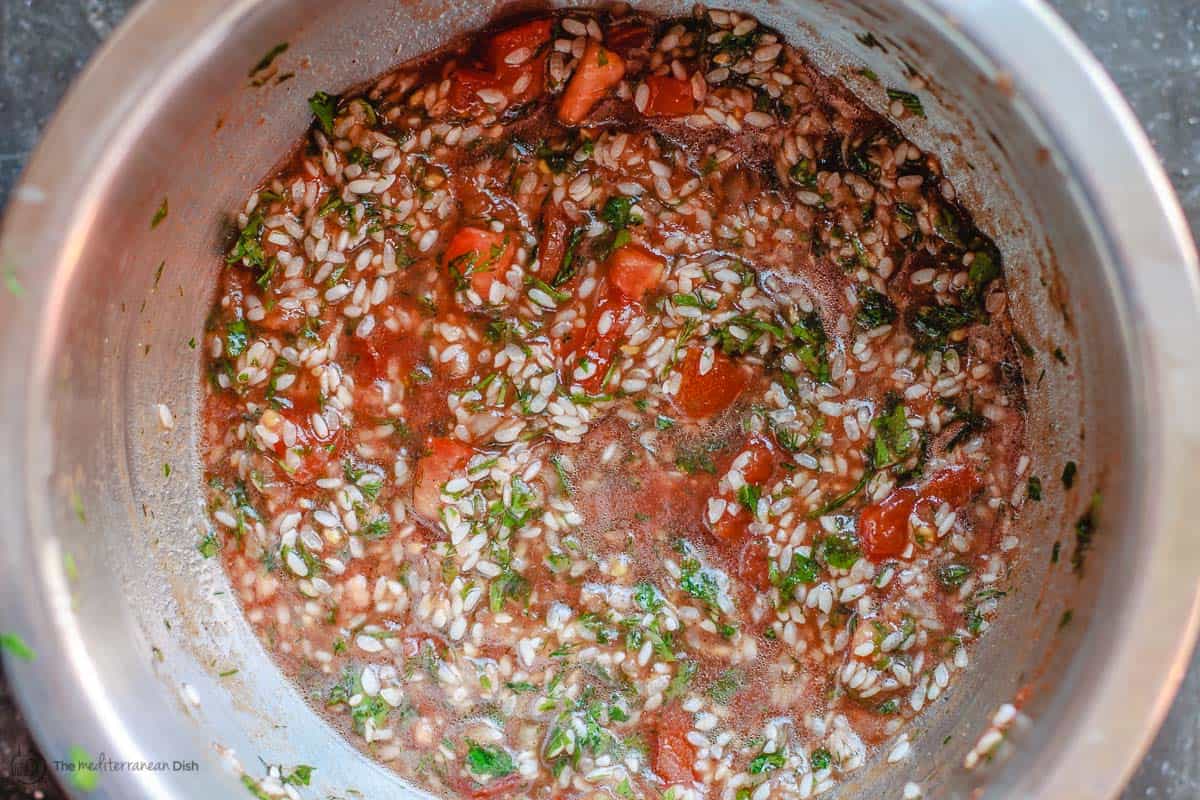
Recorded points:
(159, 215)
(875, 309)
(766, 762)
(1068, 475)
(323, 106)
(489, 761)
(1033, 489)
(911, 103)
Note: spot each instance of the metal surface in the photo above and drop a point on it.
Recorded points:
(94, 342)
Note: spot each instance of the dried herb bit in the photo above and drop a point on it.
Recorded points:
(804, 174)
(932, 325)
(911, 103)
(875, 309)
(159, 215)
(570, 264)
(1066, 618)
(1033, 489)
(1060, 356)
(489, 761)
(268, 58)
(952, 576)
(324, 106)
(973, 423)
(821, 759)
(1085, 530)
(1068, 475)
(248, 249)
(809, 344)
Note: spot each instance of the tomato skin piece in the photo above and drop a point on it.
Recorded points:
(493, 254)
(531, 35)
(445, 457)
(883, 527)
(465, 85)
(669, 97)
(599, 70)
(552, 249)
(762, 460)
(701, 396)
(624, 39)
(599, 348)
(754, 566)
(633, 270)
(673, 753)
(953, 485)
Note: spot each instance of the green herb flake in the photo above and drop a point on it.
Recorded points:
(1068, 474)
(952, 576)
(875, 309)
(911, 103)
(766, 762)
(1033, 488)
(1085, 531)
(15, 646)
(159, 215)
(301, 775)
(727, 684)
(323, 107)
(489, 761)
(821, 759)
(682, 679)
(237, 336)
(648, 597)
(209, 545)
(267, 59)
(841, 550)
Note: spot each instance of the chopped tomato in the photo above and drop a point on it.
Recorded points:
(762, 460)
(599, 70)
(732, 527)
(634, 270)
(605, 328)
(556, 234)
(623, 39)
(754, 566)
(530, 36)
(953, 485)
(673, 753)
(883, 527)
(445, 457)
(480, 256)
(704, 394)
(465, 85)
(669, 96)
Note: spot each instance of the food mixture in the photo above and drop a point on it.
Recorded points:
(614, 406)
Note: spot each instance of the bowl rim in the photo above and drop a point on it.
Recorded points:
(1050, 71)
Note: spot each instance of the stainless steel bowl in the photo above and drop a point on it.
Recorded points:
(130, 624)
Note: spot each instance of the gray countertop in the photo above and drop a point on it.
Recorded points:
(1151, 48)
